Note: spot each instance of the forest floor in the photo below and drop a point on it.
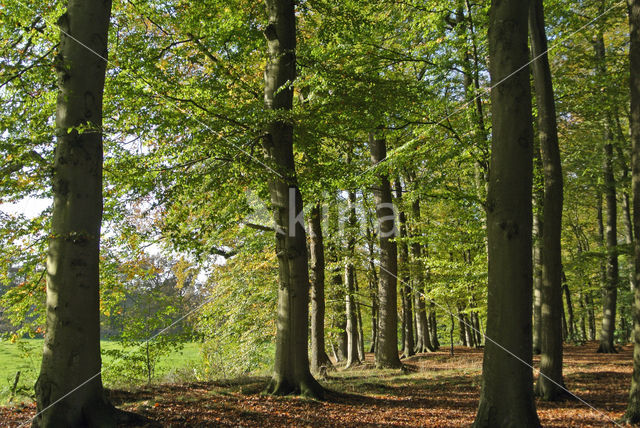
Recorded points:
(435, 390)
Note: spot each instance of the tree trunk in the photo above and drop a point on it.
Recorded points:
(626, 203)
(583, 318)
(633, 408)
(471, 338)
(69, 389)
(340, 317)
(291, 371)
(462, 328)
(537, 274)
(507, 393)
(374, 317)
(550, 385)
(338, 309)
(407, 292)
(591, 316)
(610, 291)
(433, 326)
(387, 346)
(565, 330)
(373, 284)
(451, 329)
(319, 357)
(349, 274)
(403, 321)
(476, 325)
(361, 354)
(422, 324)
(571, 318)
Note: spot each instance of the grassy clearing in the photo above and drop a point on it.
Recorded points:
(25, 355)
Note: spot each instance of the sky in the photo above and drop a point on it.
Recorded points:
(30, 207)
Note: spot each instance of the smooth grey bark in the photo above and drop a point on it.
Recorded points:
(537, 271)
(571, 317)
(69, 390)
(373, 284)
(407, 291)
(361, 354)
(626, 201)
(610, 286)
(291, 374)
(583, 318)
(550, 385)
(468, 329)
(591, 316)
(422, 323)
(476, 325)
(610, 292)
(632, 414)
(565, 329)
(334, 248)
(340, 316)
(349, 275)
(387, 345)
(433, 326)
(507, 393)
(319, 357)
(462, 327)
(451, 329)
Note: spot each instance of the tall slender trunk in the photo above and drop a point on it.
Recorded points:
(583, 318)
(633, 408)
(626, 201)
(571, 318)
(422, 324)
(339, 317)
(565, 329)
(319, 357)
(291, 373)
(69, 389)
(407, 291)
(591, 316)
(476, 328)
(471, 338)
(349, 275)
(403, 321)
(507, 392)
(433, 326)
(387, 346)
(373, 284)
(537, 267)
(610, 291)
(550, 382)
(451, 329)
(462, 327)
(361, 354)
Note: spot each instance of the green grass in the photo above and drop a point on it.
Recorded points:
(25, 356)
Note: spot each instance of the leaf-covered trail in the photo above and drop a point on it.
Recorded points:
(436, 390)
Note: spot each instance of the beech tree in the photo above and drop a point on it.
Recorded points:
(319, 357)
(351, 309)
(386, 351)
(507, 392)
(408, 344)
(609, 230)
(69, 389)
(550, 382)
(633, 408)
(291, 372)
